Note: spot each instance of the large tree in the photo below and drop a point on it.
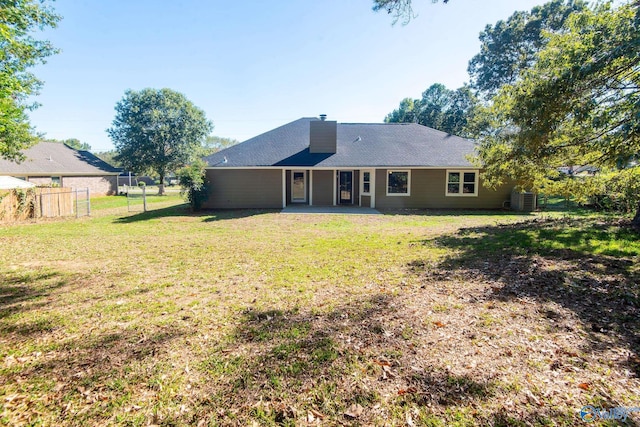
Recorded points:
(579, 104)
(439, 108)
(510, 47)
(158, 130)
(20, 51)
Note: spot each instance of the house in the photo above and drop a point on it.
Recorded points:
(56, 164)
(324, 163)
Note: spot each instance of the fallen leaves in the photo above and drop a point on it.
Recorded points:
(354, 411)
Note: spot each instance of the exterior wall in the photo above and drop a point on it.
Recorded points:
(323, 136)
(427, 189)
(323, 183)
(97, 185)
(244, 188)
(40, 180)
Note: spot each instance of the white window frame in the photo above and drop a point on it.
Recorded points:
(460, 193)
(408, 172)
(362, 192)
(304, 174)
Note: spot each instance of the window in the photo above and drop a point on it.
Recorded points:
(298, 187)
(398, 183)
(55, 181)
(462, 183)
(366, 182)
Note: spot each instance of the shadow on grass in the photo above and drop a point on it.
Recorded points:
(89, 377)
(282, 363)
(183, 210)
(26, 290)
(455, 212)
(590, 267)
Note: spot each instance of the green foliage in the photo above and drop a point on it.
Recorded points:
(613, 190)
(194, 184)
(157, 130)
(19, 51)
(213, 144)
(439, 108)
(579, 104)
(109, 157)
(510, 47)
(73, 143)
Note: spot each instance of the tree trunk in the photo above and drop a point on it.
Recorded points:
(161, 185)
(636, 219)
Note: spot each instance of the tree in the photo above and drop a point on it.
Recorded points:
(510, 47)
(400, 9)
(157, 130)
(213, 144)
(579, 104)
(440, 108)
(109, 157)
(19, 51)
(73, 143)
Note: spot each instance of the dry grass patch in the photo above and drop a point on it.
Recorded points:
(257, 318)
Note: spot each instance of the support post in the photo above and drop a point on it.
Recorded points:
(144, 197)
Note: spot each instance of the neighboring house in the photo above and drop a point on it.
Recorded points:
(10, 183)
(586, 170)
(53, 163)
(322, 163)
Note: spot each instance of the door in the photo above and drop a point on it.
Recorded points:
(345, 187)
(298, 187)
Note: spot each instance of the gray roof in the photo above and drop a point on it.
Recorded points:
(54, 158)
(358, 145)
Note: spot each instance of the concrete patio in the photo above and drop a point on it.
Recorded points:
(334, 210)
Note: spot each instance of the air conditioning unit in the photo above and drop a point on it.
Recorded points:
(524, 202)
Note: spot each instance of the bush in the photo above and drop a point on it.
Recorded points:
(194, 186)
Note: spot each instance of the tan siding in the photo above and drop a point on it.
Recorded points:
(323, 136)
(244, 188)
(356, 186)
(323, 188)
(428, 191)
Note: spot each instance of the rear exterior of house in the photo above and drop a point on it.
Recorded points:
(323, 163)
(55, 164)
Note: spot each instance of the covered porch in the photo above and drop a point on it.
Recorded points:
(328, 187)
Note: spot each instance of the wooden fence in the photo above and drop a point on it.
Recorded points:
(43, 202)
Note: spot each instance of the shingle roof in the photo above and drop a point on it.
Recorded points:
(359, 144)
(53, 158)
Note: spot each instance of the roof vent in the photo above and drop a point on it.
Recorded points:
(323, 117)
(358, 139)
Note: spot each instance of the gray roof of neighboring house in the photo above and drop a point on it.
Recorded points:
(54, 158)
(359, 144)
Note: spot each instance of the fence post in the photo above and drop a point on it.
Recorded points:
(144, 197)
(76, 191)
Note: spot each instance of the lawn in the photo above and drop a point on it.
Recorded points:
(259, 318)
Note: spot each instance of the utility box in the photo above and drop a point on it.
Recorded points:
(524, 202)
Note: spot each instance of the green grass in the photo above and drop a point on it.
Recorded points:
(252, 317)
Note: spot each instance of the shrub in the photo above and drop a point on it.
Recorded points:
(193, 183)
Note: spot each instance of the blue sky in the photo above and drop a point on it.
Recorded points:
(253, 65)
